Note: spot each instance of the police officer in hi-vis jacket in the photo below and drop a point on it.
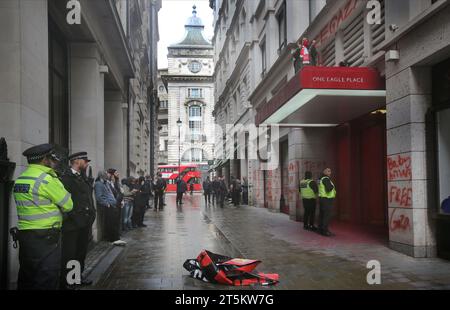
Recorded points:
(327, 194)
(41, 200)
(308, 193)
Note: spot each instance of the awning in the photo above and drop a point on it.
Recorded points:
(325, 96)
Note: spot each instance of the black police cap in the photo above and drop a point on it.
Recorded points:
(79, 155)
(39, 151)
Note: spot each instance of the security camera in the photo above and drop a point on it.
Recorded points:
(393, 27)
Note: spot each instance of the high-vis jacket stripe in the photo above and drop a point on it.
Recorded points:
(29, 203)
(39, 216)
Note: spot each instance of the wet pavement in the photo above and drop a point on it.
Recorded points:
(154, 255)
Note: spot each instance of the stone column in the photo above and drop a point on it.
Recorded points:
(310, 149)
(87, 103)
(408, 97)
(294, 151)
(115, 128)
(24, 97)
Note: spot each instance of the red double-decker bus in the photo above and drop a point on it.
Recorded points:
(189, 173)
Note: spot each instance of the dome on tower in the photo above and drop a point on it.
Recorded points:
(194, 32)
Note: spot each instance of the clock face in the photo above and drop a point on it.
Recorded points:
(195, 66)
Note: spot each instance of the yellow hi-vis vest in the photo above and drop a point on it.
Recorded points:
(40, 198)
(305, 190)
(323, 193)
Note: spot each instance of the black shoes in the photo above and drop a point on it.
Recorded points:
(327, 233)
(142, 225)
(310, 227)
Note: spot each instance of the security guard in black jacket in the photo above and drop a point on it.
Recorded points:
(76, 229)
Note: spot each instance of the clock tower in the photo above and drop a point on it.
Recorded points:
(190, 90)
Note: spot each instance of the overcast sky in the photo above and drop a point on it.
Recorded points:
(173, 16)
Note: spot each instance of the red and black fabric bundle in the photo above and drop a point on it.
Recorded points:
(215, 268)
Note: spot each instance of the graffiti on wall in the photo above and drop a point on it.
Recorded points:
(400, 195)
(315, 166)
(293, 181)
(399, 221)
(399, 167)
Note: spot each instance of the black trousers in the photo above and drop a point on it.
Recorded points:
(159, 201)
(221, 199)
(74, 247)
(40, 259)
(236, 198)
(245, 198)
(179, 198)
(325, 213)
(138, 214)
(207, 198)
(310, 212)
(112, 223)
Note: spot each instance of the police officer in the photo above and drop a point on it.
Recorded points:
(327, 194)
(76, 229)
(41, 200)
(308, 192)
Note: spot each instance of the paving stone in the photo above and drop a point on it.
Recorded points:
(154, 255)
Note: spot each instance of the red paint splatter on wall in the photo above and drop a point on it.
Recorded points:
(315, 166)
(399, 222)
(400, 196)
(399, 167)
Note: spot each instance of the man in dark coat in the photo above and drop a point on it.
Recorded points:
(159, 188)
(215, 190)
(76, 229)
(140, 202)
(181, 189)
(207, 188)
(223, 191)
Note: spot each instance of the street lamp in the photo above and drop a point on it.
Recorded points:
(179, 146)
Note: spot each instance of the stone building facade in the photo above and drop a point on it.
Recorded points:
(190, 95)
(163, 116)
(87, 86)
(383, 134)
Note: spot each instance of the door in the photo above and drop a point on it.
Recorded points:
(373, 174)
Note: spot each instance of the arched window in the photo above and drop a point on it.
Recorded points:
(194, 155)
(195, 121)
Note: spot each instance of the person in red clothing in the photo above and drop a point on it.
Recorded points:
(304, 52)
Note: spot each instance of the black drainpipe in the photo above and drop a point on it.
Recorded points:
(128, 128)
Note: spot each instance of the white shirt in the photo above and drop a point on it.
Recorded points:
(74, 171)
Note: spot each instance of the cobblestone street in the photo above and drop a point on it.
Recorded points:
(154, 255)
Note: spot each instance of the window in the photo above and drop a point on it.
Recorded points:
(195, 111)
(195, 127)
(443, 134)
(194, 155)
(163, 104)
(166, 145)
(195, 122)
(282, 27)
(263, 58)
(58, 88)
(195, 93)
(441, 115)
